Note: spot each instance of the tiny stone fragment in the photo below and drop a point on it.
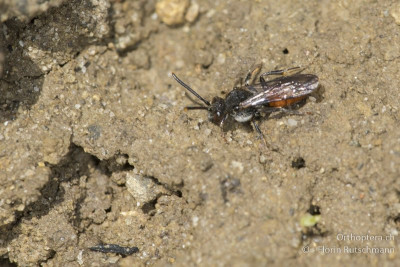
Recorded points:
(138, 59)
(204, 58)
(291, 122)
(172, 12)
(143, 189)
(395, 12)
(192, 12)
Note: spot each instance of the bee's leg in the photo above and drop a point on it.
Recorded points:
(285, 72)
(260, 134)
(221, 125)
(285, 110)
(223, 135)
(262, 81)
(291, 111)
(250, 77)
(238, 83)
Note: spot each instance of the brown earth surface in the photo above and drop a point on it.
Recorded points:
(96, 147)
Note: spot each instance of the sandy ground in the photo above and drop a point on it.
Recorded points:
(96, 148)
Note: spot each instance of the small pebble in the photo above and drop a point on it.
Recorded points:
(204, 58)
(237, 165)
(395, 12)
(207, 132)
(292, 122)
(312, 99)
(192, 12)
(221, 58)
(142, 188)
(172, 12)
(79, 258)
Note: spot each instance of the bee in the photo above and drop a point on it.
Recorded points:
(246, 102)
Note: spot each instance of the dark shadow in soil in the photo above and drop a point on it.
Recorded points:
(75, 164)
(298, 163)
(150, 207)
(75, 40)
(20, 79)
(6, 263)
(230, 185)
(314, 231)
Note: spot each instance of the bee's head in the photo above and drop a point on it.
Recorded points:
(217, 111)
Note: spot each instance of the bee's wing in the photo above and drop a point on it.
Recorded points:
(282, 88)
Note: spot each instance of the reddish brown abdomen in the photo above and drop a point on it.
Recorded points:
(285, 102)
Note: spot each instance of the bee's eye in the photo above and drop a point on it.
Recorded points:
(236, 108)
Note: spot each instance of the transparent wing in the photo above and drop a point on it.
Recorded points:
(283, 88)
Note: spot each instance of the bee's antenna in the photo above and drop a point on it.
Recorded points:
(190, 89)
(192, 108)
